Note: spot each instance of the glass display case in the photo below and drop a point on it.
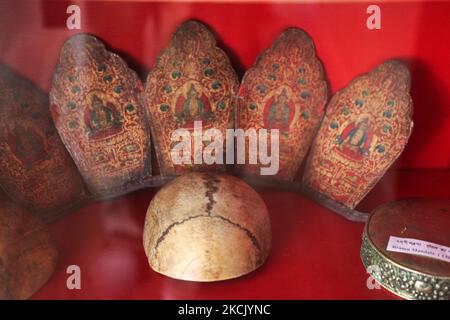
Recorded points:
(92, 91)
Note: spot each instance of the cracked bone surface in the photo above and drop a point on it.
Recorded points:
(206, 227)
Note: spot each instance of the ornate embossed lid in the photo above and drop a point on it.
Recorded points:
(406, 248)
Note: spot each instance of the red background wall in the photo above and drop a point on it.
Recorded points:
(32, 32)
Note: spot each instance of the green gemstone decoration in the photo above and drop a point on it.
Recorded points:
(304, 95)
(345, 111)
(76, 89)
(206, 61)
(101, 67)
(118, 89)
(301, 69)
(334, 125)
(107, 78)
(365, 93)
(275, 66)
(167, 88)
(73, 124)
(302, 81)
(390, 103)
(386, 128)
(129, 108)
(261, 88)
(209, 72)
(305, 115)
(271, 77)
(359, 103)
(253, 106)
(176, 74)
(221, 105)
(164, 107)
(72, 78)
(71, 105)
(24, 105)
(387, 114)
(216, 85)
(379, 148)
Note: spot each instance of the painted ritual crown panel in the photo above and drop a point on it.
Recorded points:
(366, 127)
(35, 168)
(97, 109)
(192, 84)
(284, 90)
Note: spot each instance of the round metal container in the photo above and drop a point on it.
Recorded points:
(408, 274)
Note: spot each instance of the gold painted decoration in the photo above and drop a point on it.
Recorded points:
(97, 109)
(285, 90)
(35, 168)
(191, 86)
(366, 127)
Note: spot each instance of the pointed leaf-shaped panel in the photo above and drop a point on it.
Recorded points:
(191, 85)
(28, 254)
(35, 167)
(366, 127)
(97, 109)
(285, 90)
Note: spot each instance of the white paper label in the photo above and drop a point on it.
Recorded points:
(419, 247)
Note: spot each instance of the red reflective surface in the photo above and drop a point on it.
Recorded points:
(315, 253)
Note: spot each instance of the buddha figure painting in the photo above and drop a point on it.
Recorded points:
(102, 120)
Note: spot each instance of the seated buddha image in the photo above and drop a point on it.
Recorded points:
(193, 106)
(102, 119)
(356, 138)
(279, 112)
(27, 146)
